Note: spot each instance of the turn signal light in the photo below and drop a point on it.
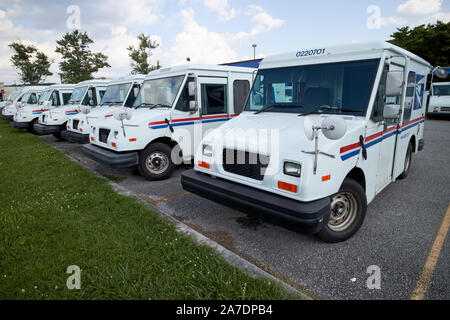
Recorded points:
(205, 165)
(133, 140)
(326, 178)
(287, 187)
(113, 144)
(92, 139)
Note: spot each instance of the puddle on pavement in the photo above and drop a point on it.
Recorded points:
(249, 222)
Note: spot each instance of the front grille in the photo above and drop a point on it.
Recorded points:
(103, 135)
(445, 109)
(75, 124)
(246, 164)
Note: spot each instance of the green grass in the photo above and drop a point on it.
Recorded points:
(54, 214)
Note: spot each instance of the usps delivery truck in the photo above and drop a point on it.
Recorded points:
(12, 97)
(174, 108)
(29, 96)
(440, 99)
(51, 97)
(119, 93)
(86, 93)
(345, 128)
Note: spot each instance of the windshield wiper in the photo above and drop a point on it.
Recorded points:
(159, 105)
(318, 109)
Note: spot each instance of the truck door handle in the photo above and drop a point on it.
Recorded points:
(170, 126)
(364, 150)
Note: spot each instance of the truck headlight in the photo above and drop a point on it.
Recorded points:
(292, 169)
(207, 150)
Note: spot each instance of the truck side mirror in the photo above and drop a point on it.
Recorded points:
(391, 111)
(136, 91)
(90, 94)
(440, 72)
(91, 102)
(394, 83)
(193, 107)
(192, 88)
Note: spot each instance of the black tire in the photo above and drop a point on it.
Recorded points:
(162, 154)
(408, 161)
(357, 202)
(57, 135)
(30, 128)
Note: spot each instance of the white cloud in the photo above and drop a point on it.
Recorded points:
(393, 21)
(198, 43)
(264, 23)
(440, 16)
(222, 8)
(419, 7)
(131, 12)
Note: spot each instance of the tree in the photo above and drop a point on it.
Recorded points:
(430, 42)
(140, 57)
(31, 64)
(78, 62)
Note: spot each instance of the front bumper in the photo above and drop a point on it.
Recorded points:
(6, 117)
(109, 158)
(75, 137)
(42, 129)
(20, 125)
(306, 217)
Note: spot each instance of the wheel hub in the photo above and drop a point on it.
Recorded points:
(157, 163)
(344, 208)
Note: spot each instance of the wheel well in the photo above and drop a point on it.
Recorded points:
(413, 142)
(171, 143)
(358, 175)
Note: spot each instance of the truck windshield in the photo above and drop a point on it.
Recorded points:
(30, 98)
(441, 90)
(78, 95)
(116, 94)
(336, 88)
(45, 96)
(13, 96)
(159, 92)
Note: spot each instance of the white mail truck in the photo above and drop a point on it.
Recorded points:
(86, 93)
(51, 97)
(175, 108)
(324, 131)
(119, 93)
(440, 99)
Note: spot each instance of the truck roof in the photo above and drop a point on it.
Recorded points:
(62, 86)
(196, 67)
(337, 53)
(131, 78)
(98, 82)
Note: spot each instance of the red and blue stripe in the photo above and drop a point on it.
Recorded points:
(354, 150)
(190, 121)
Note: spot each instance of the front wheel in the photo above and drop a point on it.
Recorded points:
(348, 211)
(155, 162)
(408, 160)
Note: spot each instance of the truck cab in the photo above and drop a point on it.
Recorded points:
(119, 93)
(86, 93)
(440, 99)
(323, 132)
(174, 109)
(12, 97)
(51, 97)
(28, 96)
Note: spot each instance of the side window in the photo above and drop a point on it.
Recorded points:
(183, 101)
(241, 88)
(214, 99)
(409, 101)
(378, 105)
(131, 97)
(56, 101)
(101, 93)
(94, 97)
(66, 98)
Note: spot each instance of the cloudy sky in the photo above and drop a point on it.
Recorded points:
(207, 31)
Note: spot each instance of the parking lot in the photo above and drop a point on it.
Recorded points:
(397, 235)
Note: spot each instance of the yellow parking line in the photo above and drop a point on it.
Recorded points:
(422, 286)
(172, 198)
